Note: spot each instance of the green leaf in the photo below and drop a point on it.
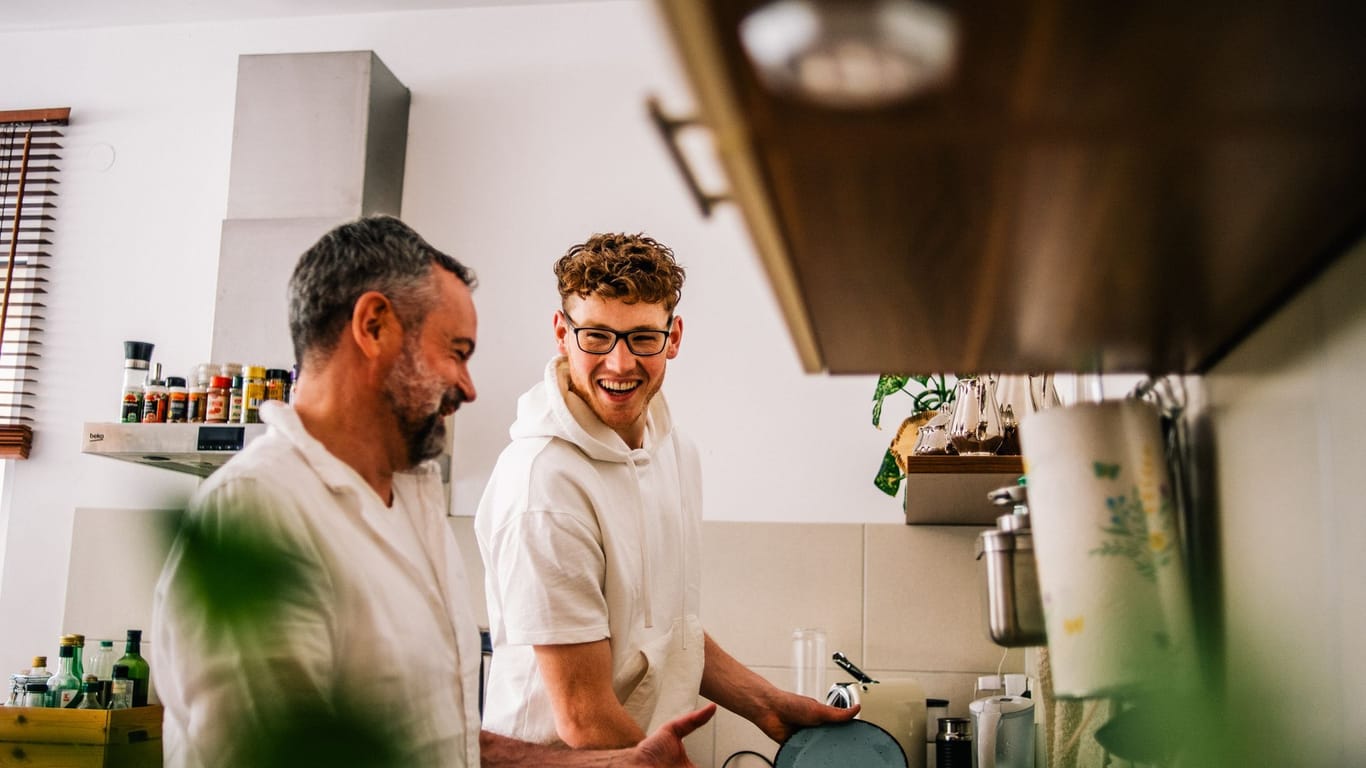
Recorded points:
(887, 384)
(889, 475)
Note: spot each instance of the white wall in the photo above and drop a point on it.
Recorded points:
(1289, 421)
(527, 133)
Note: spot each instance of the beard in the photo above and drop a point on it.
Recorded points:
(419, 400)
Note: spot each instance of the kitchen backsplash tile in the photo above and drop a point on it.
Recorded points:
(760, 581)
(463, 527)
(923, 609)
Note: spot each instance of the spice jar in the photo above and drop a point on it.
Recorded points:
(253, 393)
(277, 385)
(217, 400)
(154, 399)
(235, 400)
(177, 400)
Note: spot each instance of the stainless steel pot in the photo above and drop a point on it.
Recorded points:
(1012, 601)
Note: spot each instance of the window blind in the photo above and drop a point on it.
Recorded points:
(29, 161)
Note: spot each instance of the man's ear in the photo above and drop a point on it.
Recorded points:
(675, 338)
(372, 321)
(562, 333)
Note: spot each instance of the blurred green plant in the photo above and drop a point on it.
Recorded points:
(235, 579)
(927, 393)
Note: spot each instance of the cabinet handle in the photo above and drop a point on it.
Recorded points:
(669, 128)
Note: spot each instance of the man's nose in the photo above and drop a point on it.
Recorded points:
(466, 387)
(620, 359)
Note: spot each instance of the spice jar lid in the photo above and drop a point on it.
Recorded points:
(254, 372)
(220, 382)
(175, 381)
(277, 373)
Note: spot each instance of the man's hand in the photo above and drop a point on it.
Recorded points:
(664, 748)
(789, 712)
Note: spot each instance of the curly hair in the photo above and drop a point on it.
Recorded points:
(631, 268)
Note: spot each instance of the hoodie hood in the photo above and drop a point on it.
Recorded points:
(549, 409)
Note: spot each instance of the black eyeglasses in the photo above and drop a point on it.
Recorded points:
(600, 341)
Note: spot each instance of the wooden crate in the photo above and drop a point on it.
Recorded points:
(80, 738)
(80, 726)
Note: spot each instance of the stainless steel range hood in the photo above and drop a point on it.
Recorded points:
(196, 449)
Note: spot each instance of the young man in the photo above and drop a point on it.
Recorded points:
(590, 529)
(338, 511)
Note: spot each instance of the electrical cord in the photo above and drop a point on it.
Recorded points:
(746, 752)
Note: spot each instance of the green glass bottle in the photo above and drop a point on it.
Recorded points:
(77, 662)
(63, 686)
(138, 670)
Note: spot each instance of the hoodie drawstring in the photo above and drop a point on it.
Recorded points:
(646, 603)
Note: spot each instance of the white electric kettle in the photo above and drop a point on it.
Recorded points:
(1003, 727)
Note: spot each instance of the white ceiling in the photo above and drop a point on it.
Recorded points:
(58, 14)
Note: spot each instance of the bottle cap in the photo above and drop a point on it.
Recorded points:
(137, 350)
(67, 640)
(236, 382)
(106, 643)
(230, 369)
(134, 634)
(220, 382)
(175, 381)
(120, 671)
(277, 373)
(39, 661)
(255, 372)
(80, 640)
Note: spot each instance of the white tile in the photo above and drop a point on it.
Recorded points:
(923, 600)
(463, 527)
(760, 581)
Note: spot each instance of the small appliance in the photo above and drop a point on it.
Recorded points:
(1003, 729)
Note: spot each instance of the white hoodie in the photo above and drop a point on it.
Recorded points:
(584, 538)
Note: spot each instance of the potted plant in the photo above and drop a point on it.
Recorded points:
(928, 394)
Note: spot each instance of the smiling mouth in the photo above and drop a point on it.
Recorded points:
(619, 387)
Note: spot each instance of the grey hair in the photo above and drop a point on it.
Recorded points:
(378, 253)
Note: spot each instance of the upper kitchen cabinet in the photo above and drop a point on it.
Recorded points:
(1126, 187)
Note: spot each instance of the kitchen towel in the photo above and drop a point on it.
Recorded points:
(1116, 601)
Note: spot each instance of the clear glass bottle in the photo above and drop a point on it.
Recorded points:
(136, 357)
(90, 695)
(121, 692)
(63, 686)
(35, 695)
(101, 661)
(138, 671)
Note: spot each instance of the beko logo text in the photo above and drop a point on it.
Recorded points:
(96, 437)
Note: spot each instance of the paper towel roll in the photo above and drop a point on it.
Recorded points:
(1114, 587)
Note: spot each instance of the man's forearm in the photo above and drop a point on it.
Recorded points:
(497, 751)
(733, 685)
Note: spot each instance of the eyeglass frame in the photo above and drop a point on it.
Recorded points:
(618, 336)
